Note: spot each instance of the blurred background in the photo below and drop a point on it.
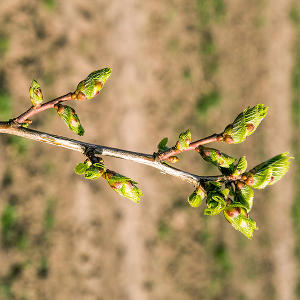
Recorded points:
(176, 65)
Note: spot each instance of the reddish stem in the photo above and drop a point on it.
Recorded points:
(172, 151)
(32, 111)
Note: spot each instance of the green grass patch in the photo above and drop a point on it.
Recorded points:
(13, 234)
(207, 101)
(164, 230)
(49, 217)
(43, 268)
(4, 44)
(5, 107)
(211, 11)
(50, 4)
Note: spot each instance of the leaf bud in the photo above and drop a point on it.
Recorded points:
(244, 195)
(196, 198)
(240, 167)
(173, 159)
(184, 140)
(216, 157)
(239, 219)
(68, 114)
(124, 186)
(36, 95)
(244, 124)
(270, 171)
(92, 85)
(216, 202)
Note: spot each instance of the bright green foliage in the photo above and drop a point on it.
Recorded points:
(270, 171)
(244, 124)
(195, 199)
(239, 219)
(94, 172)
(244, 195)
(90, 171)
(92, 85)
(123, 186)
(240, 167)
(81, 168)
(216, 201)
(217, 158)
(162, 146)
(68, 114)
(35, 92)
(184, 140)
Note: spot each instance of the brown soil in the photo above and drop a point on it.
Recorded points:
(102, 246)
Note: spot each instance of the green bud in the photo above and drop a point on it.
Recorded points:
(216, 202)
(244, 195)
(270, 171)
(184, 140)
(240, 167)
(123, 186)
(90, 171)
(244, 124)
(162, 146)
(173, 159)
(92, 85)
(239, 219)
(68, 114)
(195, 199)
(94, 171)
(35, 92)
(81, 168)
(214, 156)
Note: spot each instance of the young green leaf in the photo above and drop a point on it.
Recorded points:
(244, 124)
(196, 198)
(240, 167)
(162, 146)
(184, 140)
(92, 85)
(239, 219)
(81, 168)
(217, 158)
(35, 92)
(94, 172)
(270, 171)
(215, 202)
(124, 186)
(68, 114)
(244, 195)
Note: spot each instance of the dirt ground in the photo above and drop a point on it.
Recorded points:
(175, 65)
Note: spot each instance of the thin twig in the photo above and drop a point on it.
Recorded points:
(83, 147)
(35, 110)
(173, 151)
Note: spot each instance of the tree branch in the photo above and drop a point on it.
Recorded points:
(35, 110)
(173, 151)
(83, 147)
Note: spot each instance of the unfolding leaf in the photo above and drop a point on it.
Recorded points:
(244, 195)
(162, 146)
(239, 219)
(216, 157)
(244, 124)
(270, 171)
(92, 85)
(196, 198)
(35, 92)
(184, 140)
(71, 119)
(124, 186)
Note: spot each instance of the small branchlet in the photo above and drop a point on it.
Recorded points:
(230, 192)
